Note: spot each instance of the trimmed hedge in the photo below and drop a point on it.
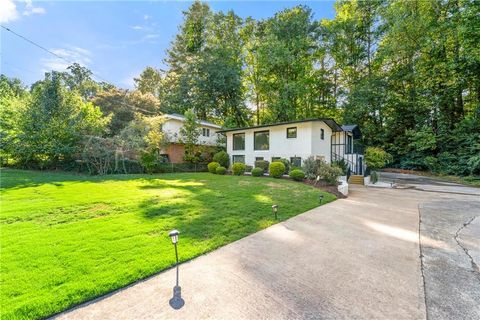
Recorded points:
(276, 169)
(262, 164)
(238, 168)
(285, 162)
(297, 175)
(221, 170)
(222, 158)
(257, 172)
(212, 167)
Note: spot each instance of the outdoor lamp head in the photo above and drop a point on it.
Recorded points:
(174, 236)
(274, 208)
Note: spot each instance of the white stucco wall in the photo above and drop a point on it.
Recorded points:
(307, 142)
(172, 128)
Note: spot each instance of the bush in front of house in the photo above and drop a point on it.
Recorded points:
(297, 175)
(238, 168)
(310, 167)
(276, 169)
(222, 158)
(285, 162)
(221, 170)
(257, 172)
(329, 173)
(248, 168)
(212, 167)
(262, 164)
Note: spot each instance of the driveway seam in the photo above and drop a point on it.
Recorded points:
(421, 261)
(472, 262)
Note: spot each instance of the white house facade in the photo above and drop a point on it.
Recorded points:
(321, 138)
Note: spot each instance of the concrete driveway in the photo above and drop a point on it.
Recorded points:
(354, 258)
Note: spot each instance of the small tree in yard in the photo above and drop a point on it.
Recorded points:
(376, 158)
(189, 134)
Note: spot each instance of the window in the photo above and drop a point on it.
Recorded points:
(239, 158)
(296, 162)
(239, 141)
(275, 159)
(205, 132)
(261, 140)
(291, 132)
(349, 144)
(322, 134)
(258, 158)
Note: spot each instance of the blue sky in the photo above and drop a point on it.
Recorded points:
(115, 39)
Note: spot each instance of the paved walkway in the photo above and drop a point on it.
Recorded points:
(353, 258)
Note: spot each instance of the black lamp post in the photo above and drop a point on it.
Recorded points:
(274, 210)
(176, 302)
(320, 198)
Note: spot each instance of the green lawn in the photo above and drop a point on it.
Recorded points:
(67, 238)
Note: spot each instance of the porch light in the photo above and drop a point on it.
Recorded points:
(274, 210)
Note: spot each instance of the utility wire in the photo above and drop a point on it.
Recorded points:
(70, 62)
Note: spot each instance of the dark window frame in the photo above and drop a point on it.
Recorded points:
(254, 140)
(294, 137)
(322, 134)
(233, 141)
(259, 159)
(291, 161)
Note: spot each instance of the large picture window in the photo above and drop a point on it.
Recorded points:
(296, 162)
(261, 140)
(238, 158)
(239, 141)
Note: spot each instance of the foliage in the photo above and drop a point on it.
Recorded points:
(80, 212)
(262, 164)
(212, 167)
(285, 162)
(328, 173)
(276, 169)
(221, 170)
(342, 164)
(374, 177)
(238, 168)
(149, 81)
(148, 160)
(376, 158)
(189, 134)
(248, 168)
(257, 172)
(297, 175)
(310, 168)
(474, 165)
(222, 158)
(98, 154)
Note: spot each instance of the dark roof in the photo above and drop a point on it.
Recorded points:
(330, 122)
(353, 128)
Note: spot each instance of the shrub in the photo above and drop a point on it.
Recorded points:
(222, 158)
(257, 172)
(297, 175)
(285, 162)
(329, 173)
(374, 177)
(376, 158)
(212, 167)
(310, 167)
(148, 161)
(248, 168)
(262, 164)
(276, 169)
(474, 165)
(342, 164)
(238, 168)
(221, 170)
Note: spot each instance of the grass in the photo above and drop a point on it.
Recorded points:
(66, 238)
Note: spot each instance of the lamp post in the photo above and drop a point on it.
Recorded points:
(176, 302)
(320, 198)
(274, 210)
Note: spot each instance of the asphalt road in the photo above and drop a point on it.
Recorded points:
(408, 253)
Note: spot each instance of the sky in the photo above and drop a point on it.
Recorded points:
(114, 39)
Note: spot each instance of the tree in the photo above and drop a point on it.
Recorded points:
(53, 124)
(189, 134)
(149, 81)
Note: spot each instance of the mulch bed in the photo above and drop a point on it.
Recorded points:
(324, 187)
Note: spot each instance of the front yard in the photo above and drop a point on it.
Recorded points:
(68, 238)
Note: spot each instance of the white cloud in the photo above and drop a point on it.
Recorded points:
(73, 54)
(8, 12)
(137, 27)
(146, 17)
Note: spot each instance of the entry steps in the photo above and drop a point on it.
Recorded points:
(356, 179)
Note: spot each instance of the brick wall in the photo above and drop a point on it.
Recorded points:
(175, 152)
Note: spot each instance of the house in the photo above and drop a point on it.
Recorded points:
(296, 140)
(176, 149)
